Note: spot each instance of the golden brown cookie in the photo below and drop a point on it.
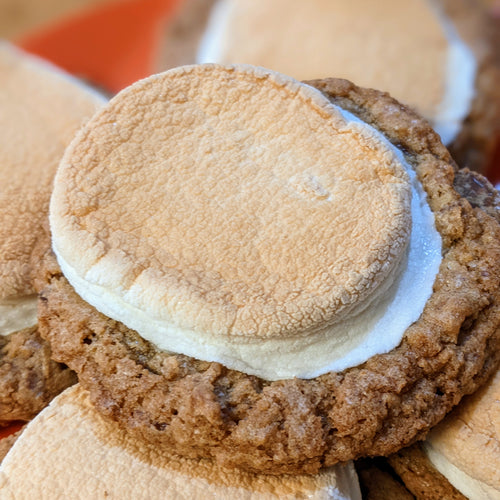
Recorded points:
(455, 437)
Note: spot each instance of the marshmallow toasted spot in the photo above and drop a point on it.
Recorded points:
(74, 453)
(40, 110)
(409, 49)
(235, 215)
(18, 313)
(465, 447)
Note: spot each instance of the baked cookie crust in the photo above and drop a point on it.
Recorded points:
(29, 378)
(202, 409)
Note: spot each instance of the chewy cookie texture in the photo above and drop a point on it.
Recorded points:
(202, 409)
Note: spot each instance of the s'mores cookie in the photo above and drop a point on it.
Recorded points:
(274, 275)
(40, 110)
(438, 56)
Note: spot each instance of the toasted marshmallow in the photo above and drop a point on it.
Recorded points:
(40, 110)
(235, 215)
(74, 453)
(410, 49)
(465, 447)
(18, 313)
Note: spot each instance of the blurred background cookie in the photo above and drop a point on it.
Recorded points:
(40, 110)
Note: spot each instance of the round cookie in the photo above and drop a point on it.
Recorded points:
(202, 409)
(40, 110)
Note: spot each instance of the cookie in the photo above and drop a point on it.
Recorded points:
(201, 408)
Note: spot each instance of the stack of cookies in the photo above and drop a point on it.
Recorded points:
(259, 284)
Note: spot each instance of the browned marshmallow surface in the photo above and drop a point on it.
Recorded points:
(210, 208)
(40, 110)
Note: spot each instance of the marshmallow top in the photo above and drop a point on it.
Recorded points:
(410, 49)
(233, 214)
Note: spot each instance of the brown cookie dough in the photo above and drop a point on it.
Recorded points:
(29, 379)
(202, 409)
(378, 482)
(420, 477)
